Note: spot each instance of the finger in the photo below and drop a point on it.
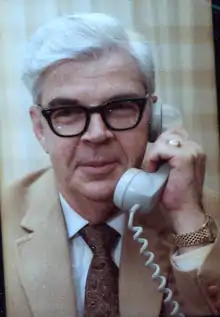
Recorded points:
(162, 151)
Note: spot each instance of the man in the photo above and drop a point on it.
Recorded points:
(67, 251)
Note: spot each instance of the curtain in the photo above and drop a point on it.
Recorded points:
(180, 33)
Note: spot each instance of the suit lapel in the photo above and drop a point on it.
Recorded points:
(44, 261)
(138, 292)
(43, 254)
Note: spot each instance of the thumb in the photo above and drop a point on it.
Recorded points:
(150, 166)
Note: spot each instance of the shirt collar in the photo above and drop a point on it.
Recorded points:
(75, 222)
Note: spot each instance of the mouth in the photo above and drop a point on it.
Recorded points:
(98, 167)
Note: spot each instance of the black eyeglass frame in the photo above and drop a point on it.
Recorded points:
(100, 109)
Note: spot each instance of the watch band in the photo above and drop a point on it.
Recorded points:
(205, 235)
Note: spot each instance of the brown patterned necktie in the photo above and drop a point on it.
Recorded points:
(101, 293)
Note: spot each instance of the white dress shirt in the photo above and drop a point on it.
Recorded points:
(81, 254)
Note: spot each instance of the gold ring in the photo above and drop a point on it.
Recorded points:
(175, 143)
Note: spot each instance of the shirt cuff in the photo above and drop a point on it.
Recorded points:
(191, 260)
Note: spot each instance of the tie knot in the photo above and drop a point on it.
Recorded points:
(100, 238)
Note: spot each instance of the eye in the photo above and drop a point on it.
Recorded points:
(124, 108)
(65, 112)
(68, 115)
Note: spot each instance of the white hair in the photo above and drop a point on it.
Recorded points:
(72, 36)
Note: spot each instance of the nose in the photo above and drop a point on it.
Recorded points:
(97, 131)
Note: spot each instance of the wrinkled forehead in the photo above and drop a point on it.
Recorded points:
(92, 80)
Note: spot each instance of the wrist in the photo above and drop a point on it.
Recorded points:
(193, 240)
(188, 220)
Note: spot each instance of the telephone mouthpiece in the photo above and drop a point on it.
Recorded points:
(138, 187)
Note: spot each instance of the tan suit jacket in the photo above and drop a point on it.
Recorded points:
(38, 274)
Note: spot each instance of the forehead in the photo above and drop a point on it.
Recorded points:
(93, 80)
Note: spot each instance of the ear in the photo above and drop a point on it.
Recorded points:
(38, 127)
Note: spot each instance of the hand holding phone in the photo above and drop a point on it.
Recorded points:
(178, 184)
(187, 169)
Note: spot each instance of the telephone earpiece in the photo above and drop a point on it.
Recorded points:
(155, 123)
(163, 117)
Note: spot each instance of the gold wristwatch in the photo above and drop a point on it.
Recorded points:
(205, 235)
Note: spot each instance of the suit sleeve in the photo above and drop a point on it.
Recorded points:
(198, 289)
(191, 260)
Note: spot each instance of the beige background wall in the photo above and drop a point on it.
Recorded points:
(180, 33)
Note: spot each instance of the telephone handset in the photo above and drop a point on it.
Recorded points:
(131, 188)
(138, 187)
(140, 191)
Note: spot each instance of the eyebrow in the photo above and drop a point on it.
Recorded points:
(72, 101)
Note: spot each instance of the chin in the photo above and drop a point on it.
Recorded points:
(99, 191)
(98, 187)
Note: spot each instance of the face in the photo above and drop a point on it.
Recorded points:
(90, 165)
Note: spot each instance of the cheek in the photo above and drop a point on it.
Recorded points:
(61, 150)
(133, 144)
